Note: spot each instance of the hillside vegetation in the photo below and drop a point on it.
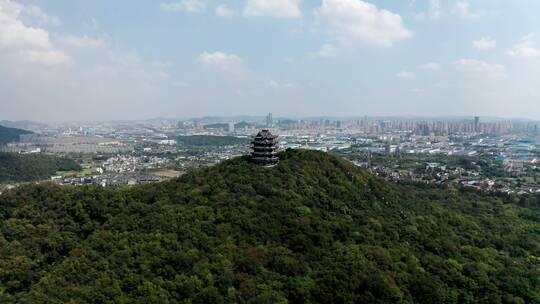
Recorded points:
(8, 135)
(211, 140)
(32, 167)
(314, 229)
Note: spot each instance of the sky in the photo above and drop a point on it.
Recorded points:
(66, 60)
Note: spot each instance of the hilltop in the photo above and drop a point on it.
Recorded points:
(313, 229)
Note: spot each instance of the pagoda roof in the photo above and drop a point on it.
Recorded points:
(265, 134)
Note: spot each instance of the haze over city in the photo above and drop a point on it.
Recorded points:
(103, 60)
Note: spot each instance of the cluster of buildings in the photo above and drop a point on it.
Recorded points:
(441, 174)
(130, 163)
(364, 125)
(108, 180)
(132, 148)
(415, 126)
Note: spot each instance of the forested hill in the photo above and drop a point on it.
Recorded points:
(8, 135)
(314, 229)
(32, 167)
(211, 140)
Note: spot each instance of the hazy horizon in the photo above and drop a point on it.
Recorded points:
(104, 61)
(261, 118)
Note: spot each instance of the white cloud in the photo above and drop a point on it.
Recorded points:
(434, 9)
(189, 6)
(93, 24)
(277, 86)
(45, 57)
(13, 33)
(475, 67)
(354, 22)
(36, 13)
(83, 42)
(485, 43)
(235, 75)
(28, 44)
(38, 75)
(327, 50)
(273, 8)
(430, 66)
(405, 75)
(221, 61)
(223, 10)
(31, 14)
(526, 48)
(463, 10)
(274, 84)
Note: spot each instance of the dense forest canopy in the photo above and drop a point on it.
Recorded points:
(8, 135)
(211, 140)
(32, 167)
(313, 229)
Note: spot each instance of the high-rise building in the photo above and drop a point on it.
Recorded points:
(269, 120)
(231, 126)
(476, 124)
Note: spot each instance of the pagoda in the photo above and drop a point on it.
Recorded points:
(265, 148)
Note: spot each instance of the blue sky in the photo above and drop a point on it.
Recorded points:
(101, 60)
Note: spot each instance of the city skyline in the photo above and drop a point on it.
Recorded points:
(102, 61)
(262, 118)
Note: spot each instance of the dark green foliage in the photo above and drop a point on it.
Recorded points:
(30, 167)
(216, 126)
(211, 140)
(314, 229)
(8, 135)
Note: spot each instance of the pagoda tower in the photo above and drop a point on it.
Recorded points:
(264, 147)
